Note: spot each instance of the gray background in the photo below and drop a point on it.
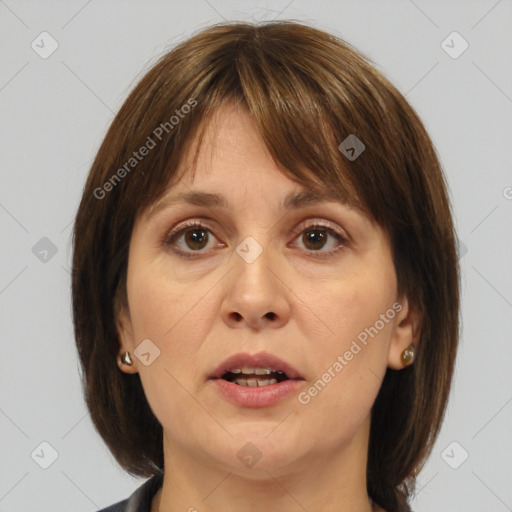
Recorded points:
(54, 113)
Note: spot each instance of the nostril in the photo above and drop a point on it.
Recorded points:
(271, 315)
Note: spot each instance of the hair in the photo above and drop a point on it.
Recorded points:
(307, 90)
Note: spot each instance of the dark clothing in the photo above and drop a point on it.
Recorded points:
(141, 498)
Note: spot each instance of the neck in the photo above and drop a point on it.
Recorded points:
(330, 482)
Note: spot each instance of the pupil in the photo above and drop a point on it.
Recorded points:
(316, 238)
(196, 236)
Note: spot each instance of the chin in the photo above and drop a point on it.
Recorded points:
(259, 449)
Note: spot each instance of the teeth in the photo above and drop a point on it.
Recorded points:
(252, 371)
(262, 371)
(255, 382)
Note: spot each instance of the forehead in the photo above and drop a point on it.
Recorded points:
(223, 154)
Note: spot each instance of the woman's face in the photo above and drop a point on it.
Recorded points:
(259, 280)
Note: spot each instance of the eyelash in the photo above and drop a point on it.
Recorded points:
(170, 238)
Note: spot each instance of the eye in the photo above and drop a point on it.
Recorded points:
(191, 236)
(315, 237)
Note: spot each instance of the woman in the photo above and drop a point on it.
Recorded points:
(265, 281)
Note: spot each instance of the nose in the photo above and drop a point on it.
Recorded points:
(256, 295)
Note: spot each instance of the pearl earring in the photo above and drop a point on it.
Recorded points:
(408, 355)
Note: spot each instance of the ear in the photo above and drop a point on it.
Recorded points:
(406, 332)
(124, 333)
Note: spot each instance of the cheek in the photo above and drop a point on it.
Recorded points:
(351, 356)
(167, 314)
(350, 367)
(343, 308)
(177, 317)
(159, 303)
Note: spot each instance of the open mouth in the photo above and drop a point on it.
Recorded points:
(255, 380)
(254, 377)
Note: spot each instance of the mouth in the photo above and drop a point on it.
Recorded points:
(255, 380)
(254, 370)
(255, 377)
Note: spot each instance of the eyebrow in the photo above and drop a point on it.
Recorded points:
(292, 201)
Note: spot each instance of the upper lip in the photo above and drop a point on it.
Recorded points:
(259, 360)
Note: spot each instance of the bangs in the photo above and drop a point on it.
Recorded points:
(301, 120)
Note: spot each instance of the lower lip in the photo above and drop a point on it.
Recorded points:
(264, 396)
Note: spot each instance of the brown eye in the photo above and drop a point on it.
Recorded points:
(314, 239)
(191, 239)
(321, 241)
(196, 238)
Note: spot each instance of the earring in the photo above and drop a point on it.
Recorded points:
(408, 355)
(126, 359)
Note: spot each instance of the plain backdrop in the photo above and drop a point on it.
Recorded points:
(54, 111)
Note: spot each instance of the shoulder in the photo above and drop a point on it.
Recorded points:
(117, 507)
(140, 500)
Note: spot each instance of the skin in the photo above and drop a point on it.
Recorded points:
(202, 310)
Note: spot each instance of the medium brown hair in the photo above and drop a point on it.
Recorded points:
(307, 91)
